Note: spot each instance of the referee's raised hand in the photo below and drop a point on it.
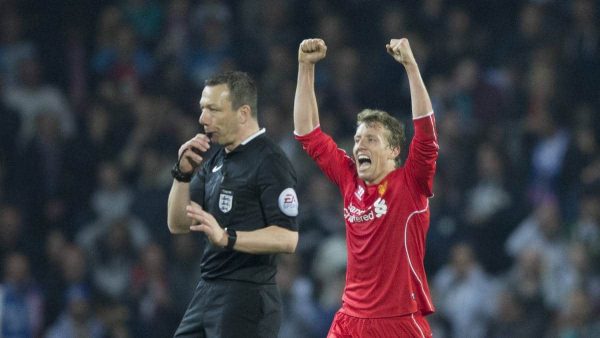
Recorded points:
(206, 223)
(190, 153)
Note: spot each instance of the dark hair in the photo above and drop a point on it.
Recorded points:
(242, 88)
(395, 129)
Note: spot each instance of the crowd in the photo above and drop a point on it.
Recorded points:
(96, 97)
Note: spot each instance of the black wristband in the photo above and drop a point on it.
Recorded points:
(178, 174)
(231, 239)
(181, 176)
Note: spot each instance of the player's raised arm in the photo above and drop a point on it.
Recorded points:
(401, 51)
(306, 112)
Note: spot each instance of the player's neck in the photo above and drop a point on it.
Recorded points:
(380, 177)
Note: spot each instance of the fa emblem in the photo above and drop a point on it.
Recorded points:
(225, 200)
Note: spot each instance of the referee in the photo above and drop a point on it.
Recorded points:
(236, 186)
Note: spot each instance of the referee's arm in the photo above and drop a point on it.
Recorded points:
(271, 239)
(179, 198)
(190, 158)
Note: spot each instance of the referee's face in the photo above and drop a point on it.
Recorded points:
(220, 121)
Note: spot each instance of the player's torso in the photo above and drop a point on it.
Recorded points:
(385, 235)
(376, 214)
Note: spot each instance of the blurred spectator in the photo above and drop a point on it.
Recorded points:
(548, 141)
(582, 158)
(14, 46)
(543, 231)
(577, 318)
(10, 124)
(445, 228)
(153, 183)
(124, 61)
(299, 308)
(112, 197)
(478, 100)
(31, 96)
(150, 292)
(586, 229)
(46, 194)
(582, 275)
(21, 300)
(342, 93)
(279, 69)
(12, 230)
(582, 49)
(51, 276)
(511, 319)
(263, 23)
(489, 195)
(177, 31)
(464, 293)
(490, 210)
(112, 248)
(209, 51)
(329, 271)
(145, 16)
(460, 37)
(529, 33)
(525, 278)
(78, 319)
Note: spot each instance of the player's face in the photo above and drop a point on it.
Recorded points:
(220, 121)
(373, 156)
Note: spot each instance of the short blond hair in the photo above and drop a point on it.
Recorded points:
(395, 128)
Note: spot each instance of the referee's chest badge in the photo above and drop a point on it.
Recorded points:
(225, 200)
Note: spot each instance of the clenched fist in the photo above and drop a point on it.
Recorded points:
(311, 51)
(400, 50)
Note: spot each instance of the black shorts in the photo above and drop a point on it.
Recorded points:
(231, 309)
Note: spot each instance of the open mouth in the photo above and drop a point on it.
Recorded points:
(364, 161)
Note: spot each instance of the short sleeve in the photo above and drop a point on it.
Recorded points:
(277, 185)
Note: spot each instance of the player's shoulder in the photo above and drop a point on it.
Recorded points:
(397, 177)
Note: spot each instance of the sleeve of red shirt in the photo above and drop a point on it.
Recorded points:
(422, 155)
(333, 161)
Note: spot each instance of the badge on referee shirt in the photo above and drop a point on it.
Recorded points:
(288, 202)
(225, 200)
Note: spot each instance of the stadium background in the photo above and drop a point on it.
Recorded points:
(97, 96)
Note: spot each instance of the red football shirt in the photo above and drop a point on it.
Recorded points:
(386, 225)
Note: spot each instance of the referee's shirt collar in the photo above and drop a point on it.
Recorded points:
(253, 136)
(246, 141)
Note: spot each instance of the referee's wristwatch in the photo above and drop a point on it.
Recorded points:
(231, 239)
(179, 175)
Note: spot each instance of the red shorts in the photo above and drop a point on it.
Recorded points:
(413, 325)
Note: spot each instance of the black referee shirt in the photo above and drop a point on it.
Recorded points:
(249, 188)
